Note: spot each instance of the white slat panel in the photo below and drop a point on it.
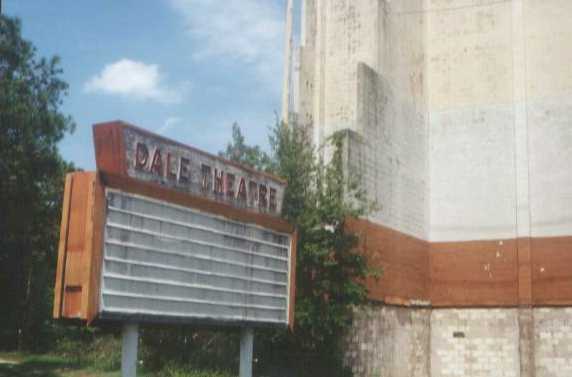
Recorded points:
(163, 261)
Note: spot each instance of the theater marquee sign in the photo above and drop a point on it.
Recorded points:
(165, 233)
(148, 157)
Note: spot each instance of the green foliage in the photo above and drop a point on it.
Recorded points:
(176, 370)
(98, 349)
(32, 172)
(58, 365)
(103, 353)
(20, 365)
(319, 198)
(239, 151)
(188, 345)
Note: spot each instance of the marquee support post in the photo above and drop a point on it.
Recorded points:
(130, 343)
(246, 351)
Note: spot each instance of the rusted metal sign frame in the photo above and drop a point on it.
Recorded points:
(126, 150)
(80, 247)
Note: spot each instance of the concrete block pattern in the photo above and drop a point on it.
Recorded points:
(553, 342)
(476, 343)
(387, 341)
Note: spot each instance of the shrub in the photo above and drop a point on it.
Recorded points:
(176, 370)
(321, 194)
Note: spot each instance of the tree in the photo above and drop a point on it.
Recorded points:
(237, 150)
(31, 183)
(329, 280)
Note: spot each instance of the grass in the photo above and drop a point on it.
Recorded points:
(18, 365)
(92, 356)
(22, 365)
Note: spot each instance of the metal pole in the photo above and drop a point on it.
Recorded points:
(246, 347)
(130, 343)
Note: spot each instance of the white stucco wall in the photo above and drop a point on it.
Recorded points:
(548, 31)
(362, 70)
(501, 121)
(465, 109)
(472, 120)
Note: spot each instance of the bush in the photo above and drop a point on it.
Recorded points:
(187, 345)
(90, 348)
(104, 353)
(176, 370)
(322, 193)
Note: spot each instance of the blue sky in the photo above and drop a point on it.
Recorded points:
(184, 68)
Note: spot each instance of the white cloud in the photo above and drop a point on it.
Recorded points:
(169, 124)
(132, 79)
(247, 31)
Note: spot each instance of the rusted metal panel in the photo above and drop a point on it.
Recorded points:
(72, 302)
(509, 273)
(476, 273)
(123, 149)
(524, 253)
(74, 254)
(489, 273)
(87, 254)
(109, 147)
(62, 248)
(403, 259)
(74, 287)
(95, 259)
(552, 271)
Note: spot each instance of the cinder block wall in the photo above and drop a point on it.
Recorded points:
(552, 342)
(476, 343)
(388, 341)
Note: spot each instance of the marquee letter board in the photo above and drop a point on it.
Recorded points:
(164, 233)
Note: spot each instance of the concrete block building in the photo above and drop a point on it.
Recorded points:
(459, 116)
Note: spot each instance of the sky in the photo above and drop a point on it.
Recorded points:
(187, 69)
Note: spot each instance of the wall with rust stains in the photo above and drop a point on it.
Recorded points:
(458, 116)
(489, 273)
